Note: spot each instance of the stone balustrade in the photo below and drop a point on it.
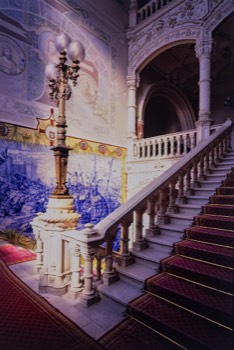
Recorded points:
(91, 249)
(151, 8)
(165, 146)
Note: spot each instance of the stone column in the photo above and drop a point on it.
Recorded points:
(203, 53)
(152, 230)
(132, 87)
(76, 284)
(132, 116)
(133, 7)
(109, 275)
(89, 295)
(125, 257)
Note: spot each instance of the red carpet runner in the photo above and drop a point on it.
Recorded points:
(11, 254)
(28, 322)
(190, 301)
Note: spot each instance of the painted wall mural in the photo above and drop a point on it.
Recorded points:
(96, 176)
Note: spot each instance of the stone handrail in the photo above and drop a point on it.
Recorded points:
(151, 8)
(157, 199)
(165, 146)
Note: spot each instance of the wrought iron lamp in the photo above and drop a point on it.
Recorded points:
(60, 91)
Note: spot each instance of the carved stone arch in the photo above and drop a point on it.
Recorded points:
(176, 98)
(217, 17)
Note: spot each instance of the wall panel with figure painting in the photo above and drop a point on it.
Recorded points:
(27, 43)
(96, 176)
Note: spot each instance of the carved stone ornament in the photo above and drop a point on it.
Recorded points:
(187, 21)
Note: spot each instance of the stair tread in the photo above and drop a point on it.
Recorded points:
(137, 270)
(190, 291)
(120, 291)
(203, 246)
(191, 330)
(150, 254)
(131, 334)
(200, 270)
(212, 231)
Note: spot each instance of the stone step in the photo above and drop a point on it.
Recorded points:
(197, 200)
(191, 209)
(149, 257)
(203, 192)
(181, 220)
(171, 230)
(120, 292)
(210, 183)
(136, 273)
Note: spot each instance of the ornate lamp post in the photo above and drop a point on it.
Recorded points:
(60, 91)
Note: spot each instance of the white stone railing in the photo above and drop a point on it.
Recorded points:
(150, 9)
(157, 200)
(165, 146)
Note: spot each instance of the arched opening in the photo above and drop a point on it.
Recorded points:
(160, 117)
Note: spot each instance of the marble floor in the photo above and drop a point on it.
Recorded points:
(95, 320)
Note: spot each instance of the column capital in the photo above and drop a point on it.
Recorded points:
(133, 81)
(203, 48)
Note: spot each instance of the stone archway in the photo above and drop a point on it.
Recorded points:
(162, 102)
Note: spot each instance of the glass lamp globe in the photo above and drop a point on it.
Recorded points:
(62, 42)
(51, 71)
(76, 51)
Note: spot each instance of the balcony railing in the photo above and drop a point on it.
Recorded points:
(151, 8)
(165, 146)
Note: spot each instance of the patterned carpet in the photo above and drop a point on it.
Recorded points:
(190, 301)
(28, 322)
(11, 254)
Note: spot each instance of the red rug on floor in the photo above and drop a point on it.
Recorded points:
(11, 254)
(29, 322)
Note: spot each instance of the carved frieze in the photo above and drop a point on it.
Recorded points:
(187, 21)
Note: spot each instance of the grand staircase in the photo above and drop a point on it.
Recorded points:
(188, 304)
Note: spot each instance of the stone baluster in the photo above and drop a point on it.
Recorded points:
(125, 257)
(212, 159)
(193, 140)
(195, 182)
(162, 217)
(152, 229)
(216, 153)
(89, 294)
(156, 149)
(189, 190)
(181, 197)
(201, 169)
(160, 148)
(184, 137)
(139, 243)
(109, 275)
(39, 252)
(76, 284)
(99, 259)
(172, 207)
(175, 146)
(207, 163)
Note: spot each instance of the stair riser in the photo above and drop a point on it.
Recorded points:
(197, 201)
(210, 238)
(178, 235)
(211, 185)
(133, 282)
(160, 247)
(195, 276)
(203, 192)
(188, 302)
(150, 264)
(219, 259)
(201, 221)
(181, 222)
(190, 211)
(218, 211)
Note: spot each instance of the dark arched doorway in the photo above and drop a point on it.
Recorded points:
(160, 117)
